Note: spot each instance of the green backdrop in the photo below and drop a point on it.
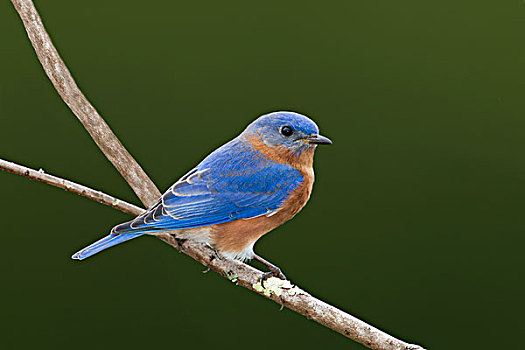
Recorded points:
(416, 220)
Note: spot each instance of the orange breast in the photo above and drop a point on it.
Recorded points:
(237, 236)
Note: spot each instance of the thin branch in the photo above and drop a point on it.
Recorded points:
(65, 85)
(70, 186)
(282, 292)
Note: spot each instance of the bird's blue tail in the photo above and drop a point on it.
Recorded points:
(104, 243)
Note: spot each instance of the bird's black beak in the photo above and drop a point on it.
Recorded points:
(318, 140)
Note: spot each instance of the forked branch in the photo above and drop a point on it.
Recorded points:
(282, 292)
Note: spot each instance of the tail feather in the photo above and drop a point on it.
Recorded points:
(104, 243)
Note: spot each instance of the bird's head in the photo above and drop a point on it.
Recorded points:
(288, 132)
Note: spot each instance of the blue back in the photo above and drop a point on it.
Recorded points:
(234, 182)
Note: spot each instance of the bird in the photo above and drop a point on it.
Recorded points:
(239, 192)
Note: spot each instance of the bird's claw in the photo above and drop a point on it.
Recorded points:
(274, 272)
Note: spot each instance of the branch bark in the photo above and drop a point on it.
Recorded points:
(282, 292)
(70, 186)
(66, 86)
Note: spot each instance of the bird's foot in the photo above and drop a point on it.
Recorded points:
(274, 272)
(214, 254)
(180, 241)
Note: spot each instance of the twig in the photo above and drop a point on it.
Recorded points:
(244, 275)
(70, 186)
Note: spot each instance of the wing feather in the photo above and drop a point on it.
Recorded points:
(232, 183)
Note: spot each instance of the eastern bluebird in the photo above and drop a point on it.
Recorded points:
(239, 192)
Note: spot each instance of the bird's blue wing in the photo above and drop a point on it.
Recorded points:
(235, 182)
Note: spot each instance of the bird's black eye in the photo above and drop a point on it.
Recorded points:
(286, 131)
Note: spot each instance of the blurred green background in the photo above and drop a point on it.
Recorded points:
(417, 218)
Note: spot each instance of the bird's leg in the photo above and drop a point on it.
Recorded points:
(274, 270)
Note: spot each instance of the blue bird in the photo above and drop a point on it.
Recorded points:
(239, 192)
